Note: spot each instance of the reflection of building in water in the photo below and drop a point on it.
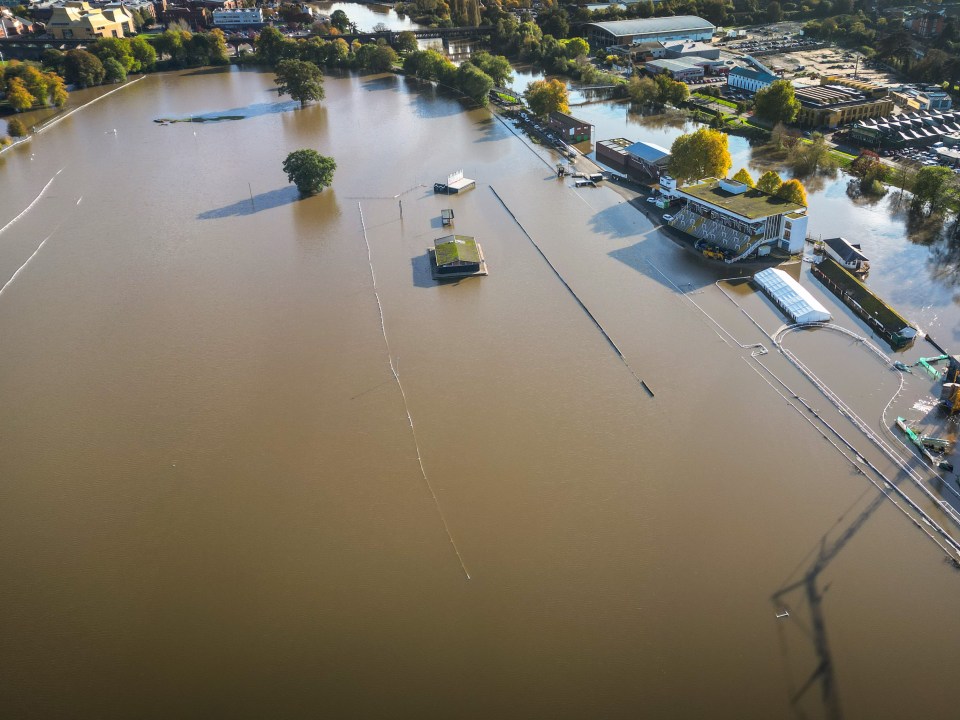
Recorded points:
(737, 218)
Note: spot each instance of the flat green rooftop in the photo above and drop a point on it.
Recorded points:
(456, 248)
(752, 204)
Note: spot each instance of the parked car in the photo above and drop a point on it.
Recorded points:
(651, 199)
(668, 218)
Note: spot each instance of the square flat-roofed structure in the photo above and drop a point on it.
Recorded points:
(791, 297)
(680, 69)
(627, 32)
(455, 256)
(639, 161)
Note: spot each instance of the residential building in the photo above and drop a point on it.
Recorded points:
(13, 26)
(834, 105)
(76, 19)
(627, 32)
(641, 162)
(927, 25)
(736, 218)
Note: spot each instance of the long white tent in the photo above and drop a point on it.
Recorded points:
(791, 297)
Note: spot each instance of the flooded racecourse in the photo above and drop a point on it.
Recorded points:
(255, 462)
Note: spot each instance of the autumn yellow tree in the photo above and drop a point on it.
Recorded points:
(18, 96)
(769, 182)
(700, 154)
(792, 191)
(546, 96)
(744, 177)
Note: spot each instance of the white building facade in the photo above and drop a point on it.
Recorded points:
(237, 18)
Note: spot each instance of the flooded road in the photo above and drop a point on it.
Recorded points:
(217, 502)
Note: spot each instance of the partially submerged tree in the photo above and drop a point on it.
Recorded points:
(16, 128)
(547, 96)
(933, 190)
(700, 154)
(301, 80)
(642, 91)
(310, 171)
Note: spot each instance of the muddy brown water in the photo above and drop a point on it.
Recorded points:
(211, 503)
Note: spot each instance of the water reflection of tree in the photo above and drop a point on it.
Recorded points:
(660, 119)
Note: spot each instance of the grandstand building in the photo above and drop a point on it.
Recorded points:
(736, 219)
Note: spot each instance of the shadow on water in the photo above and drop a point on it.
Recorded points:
(246, 206)
(429, 101)
(420, 268)
(492, 131)
(208, 71)
(379, 81)
(815, 629)
(240, 113)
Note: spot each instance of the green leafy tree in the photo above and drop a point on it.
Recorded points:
(814, 156)
(474, 83)
(53, 60)
(114, 71)
(776, 103)
(576, 47)
(118, 49)
(743, 176)
(406, 42)
(700, 154)
(382, 58)
(792, 191)
(642, 91)
(310, 171)
(547, 96)
(18, 96)
(143, 52)
(496, 66)
(270, 45)
(16, 128)
(933, 189)
(340, 21)
(83, 68)
(769, 182)
(302, 81)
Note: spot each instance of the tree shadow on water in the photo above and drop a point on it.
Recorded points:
(247, 206)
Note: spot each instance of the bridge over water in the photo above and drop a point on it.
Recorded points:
(31, 48)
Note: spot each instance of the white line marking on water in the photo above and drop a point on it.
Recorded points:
(35, 201)
(20, 269)
(406, 406)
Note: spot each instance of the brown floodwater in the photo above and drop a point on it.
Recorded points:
(213, 504)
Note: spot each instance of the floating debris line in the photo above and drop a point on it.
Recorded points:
(576, 297)
(406, 405)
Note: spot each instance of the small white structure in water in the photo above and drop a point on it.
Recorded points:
(791, 297)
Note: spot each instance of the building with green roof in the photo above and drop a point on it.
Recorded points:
(456, 256)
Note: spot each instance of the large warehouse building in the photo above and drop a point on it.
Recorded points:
(629, 32)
